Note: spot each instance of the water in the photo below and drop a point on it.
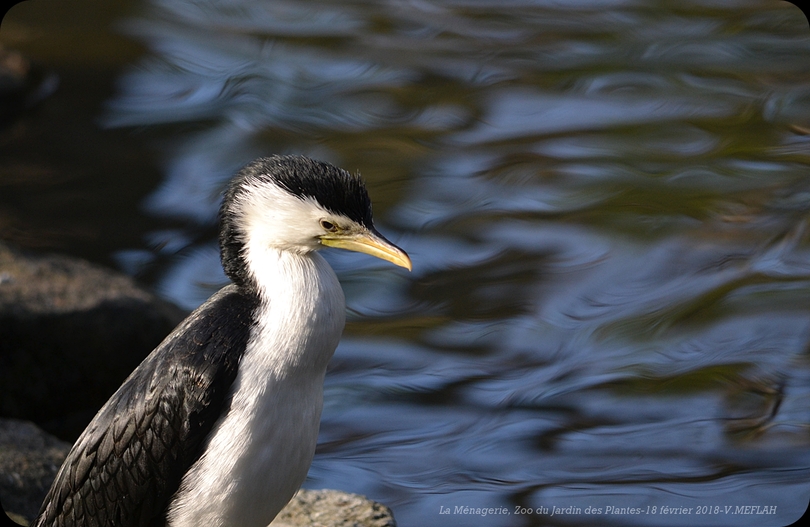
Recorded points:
(606, 205)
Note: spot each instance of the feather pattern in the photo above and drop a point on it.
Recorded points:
(127, 464)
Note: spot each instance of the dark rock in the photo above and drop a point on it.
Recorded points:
(70, 333)
(29, 460)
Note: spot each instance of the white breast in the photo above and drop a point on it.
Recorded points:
(258, 454)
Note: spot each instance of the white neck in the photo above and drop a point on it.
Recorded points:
(301, 314)
(258, 455)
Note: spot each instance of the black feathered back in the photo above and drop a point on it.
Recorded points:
(129, 462)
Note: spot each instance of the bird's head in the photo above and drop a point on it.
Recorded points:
(293, 203)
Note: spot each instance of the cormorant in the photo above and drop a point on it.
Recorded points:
(217, 426)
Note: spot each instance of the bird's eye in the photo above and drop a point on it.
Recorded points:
(328, 226)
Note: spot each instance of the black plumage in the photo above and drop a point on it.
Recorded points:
(125, 467)
(334, 188)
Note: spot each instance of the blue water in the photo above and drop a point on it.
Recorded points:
(606, 205)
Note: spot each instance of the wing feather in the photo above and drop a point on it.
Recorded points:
(127, 464)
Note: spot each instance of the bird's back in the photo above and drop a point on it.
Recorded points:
(127, 464)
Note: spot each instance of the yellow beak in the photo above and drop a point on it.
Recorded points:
(368, 242)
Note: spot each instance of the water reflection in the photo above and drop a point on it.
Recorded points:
(606, 206)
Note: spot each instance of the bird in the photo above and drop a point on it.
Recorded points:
(217, 427)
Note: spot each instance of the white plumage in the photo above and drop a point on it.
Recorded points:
(268, 438)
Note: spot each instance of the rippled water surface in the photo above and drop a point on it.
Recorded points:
(606, 204)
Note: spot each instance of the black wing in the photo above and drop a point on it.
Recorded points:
(127, 464)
